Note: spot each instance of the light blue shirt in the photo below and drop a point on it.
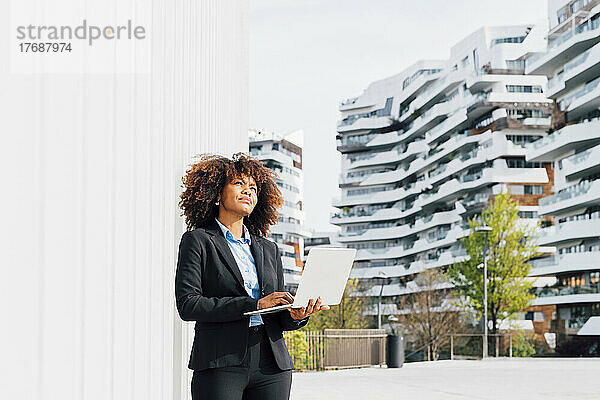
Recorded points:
(245, 262)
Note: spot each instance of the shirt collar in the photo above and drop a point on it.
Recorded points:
(228, 235)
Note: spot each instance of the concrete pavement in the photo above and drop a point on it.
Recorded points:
(515, 378)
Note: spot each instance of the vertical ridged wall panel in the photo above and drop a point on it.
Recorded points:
(91, 174)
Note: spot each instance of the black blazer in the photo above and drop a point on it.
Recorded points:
(209, 289)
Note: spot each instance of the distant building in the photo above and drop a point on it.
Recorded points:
(425, 150)
(283, 154)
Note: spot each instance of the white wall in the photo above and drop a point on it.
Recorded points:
(91, 173)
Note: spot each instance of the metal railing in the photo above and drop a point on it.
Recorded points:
(463, 346)
(336, 348)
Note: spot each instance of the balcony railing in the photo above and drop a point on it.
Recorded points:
(438, 170)
(592, 26)
(477, 199)
(358, 139)
(477, 98)
(580, 59)
(567, 193)
(552, 291)
(360, 213)
(589, 87)
(471, 177)
(580, 157)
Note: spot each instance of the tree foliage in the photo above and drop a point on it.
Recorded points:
(346, 315)
(511, 244)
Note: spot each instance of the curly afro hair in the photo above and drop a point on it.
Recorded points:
(204, 181)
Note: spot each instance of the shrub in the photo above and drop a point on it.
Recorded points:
(523, 344)
(298, 348)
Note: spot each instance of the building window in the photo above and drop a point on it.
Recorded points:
(524, 88)
(528, 214)
(534, 189)
(515, 64)
(521, 163)
(475, 60)
(561, 15)
(514, 39)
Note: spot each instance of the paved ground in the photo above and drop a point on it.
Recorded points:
(547, 379)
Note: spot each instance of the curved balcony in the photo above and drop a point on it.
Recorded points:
(582, 101)
(572, 137)
(274, 155)
(365, 216)
(431, 118)
(499, 173)
(289, 227)
(392, 156)
(579, 70)
(355, 103)
(564, 47)
(484, 102)
(441, 218)
(357, 176)
(404, 250)
(365, 123)
(395, 271)
(399, 289)
(570, 231)
(380, 215)
(582, 164)
(414, 88)
(378, 197)
(373, 272)
(459, 118)
(580, 195)
(566, 295)
(438, 89)
(568, 262)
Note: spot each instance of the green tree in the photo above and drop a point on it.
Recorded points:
(346, 315)
(511, 244)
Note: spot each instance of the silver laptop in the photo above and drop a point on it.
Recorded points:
(325, 274)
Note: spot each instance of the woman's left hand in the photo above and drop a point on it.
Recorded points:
(301, 313)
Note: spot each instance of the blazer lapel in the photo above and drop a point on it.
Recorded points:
(256, 248)
(221, 244)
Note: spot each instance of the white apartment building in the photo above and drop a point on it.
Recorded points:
(571, 62)
(321, 239)
(426, 149)
(283, 154)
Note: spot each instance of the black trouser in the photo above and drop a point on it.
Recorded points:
(258, 377)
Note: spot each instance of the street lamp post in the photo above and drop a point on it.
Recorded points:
(486, 229)
(383, 277)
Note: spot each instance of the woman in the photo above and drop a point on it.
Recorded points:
(225, 268)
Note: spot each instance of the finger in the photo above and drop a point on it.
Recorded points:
(283, 298)
(289, 296)
(311, 305)
(317, 305)
(324, 307)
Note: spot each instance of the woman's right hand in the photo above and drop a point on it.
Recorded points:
(275, 299)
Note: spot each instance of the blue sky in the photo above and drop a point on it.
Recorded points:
(306, 56)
